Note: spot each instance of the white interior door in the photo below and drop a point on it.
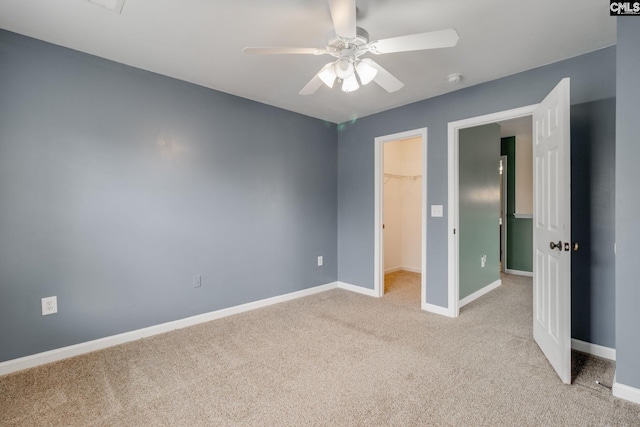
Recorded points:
(552, 229)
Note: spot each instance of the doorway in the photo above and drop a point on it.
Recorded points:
(517, 150)
(406, 173)
(454, 302)
(551, 221)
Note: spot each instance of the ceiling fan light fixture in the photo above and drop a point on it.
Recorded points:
(328, 75)
(344, 68)
(366, 72)
(350, 84)
(347, 43)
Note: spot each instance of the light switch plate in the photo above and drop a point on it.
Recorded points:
(197, 281)
(437, 211)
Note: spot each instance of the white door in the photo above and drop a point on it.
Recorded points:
(552, 230)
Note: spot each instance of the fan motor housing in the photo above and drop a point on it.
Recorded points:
(339, 43)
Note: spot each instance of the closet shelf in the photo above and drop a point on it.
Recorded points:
(389, 176)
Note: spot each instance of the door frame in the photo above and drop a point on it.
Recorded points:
(504, 183)
(378, 239)
(453, 146)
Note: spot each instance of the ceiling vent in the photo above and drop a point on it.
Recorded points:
(112, 5)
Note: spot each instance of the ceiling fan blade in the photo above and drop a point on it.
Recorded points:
(343, 14)
(384, 78)
(311, 87)
(421, 41)
(284, 51)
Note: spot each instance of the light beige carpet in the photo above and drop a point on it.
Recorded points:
(335, 358)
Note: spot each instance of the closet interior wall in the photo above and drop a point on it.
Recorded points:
(402, 205)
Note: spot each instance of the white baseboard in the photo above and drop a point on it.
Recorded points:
(519, 272)
(33, 360)
(403, 268)
(358, 289)
(436, 309)
(477, 294)
(595, 349)
(626, 392)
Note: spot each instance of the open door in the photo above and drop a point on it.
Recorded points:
(552, 229)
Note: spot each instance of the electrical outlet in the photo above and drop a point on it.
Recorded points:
(320, 261)
(483, 261)
(197, 281)
(49, 305)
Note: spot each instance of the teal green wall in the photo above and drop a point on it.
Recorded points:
(479, 207)
(519, 230)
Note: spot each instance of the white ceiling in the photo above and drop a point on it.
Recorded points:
(200, 41)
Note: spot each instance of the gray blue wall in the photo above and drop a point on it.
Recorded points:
(117, 186)
(628, 203)
(593, 78)
(478, 207)
(593, 290)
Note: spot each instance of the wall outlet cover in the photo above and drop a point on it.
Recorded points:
(49, 305)
(320, 261)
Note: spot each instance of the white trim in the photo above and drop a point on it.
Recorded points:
(452, 218)
(392, 269)
(594, 349)
(424, 213)
(523, 216)
(477, 294)
(436, 309)
(453, 184)
(505, 191)
(519, 272)
(33, 360)
(358, 289)
(378, 239)
(626, 392)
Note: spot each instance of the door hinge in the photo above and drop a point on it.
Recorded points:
(454, 231)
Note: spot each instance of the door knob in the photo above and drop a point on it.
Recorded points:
(554, 245)
(576, 246)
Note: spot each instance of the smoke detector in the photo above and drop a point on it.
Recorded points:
(454, 78)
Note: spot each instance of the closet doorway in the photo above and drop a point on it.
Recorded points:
(400, 220)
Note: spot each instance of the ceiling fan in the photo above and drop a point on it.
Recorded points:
(348, 42)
